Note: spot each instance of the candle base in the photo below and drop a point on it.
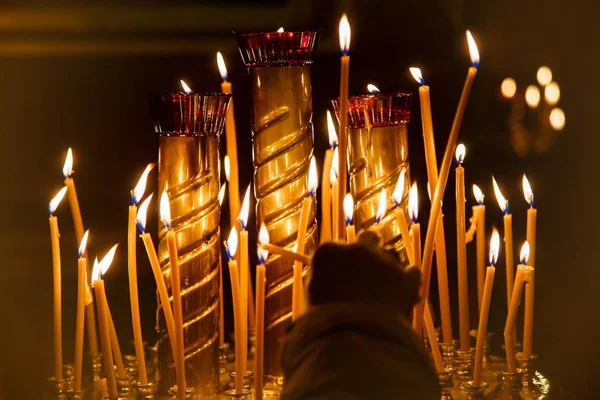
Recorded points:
(510, 385)
(124, 385)
(535, 385)
(144, 391)
(131, 368)
(96, 367)
(58, 388)
(446, 384)
(190, 393)
(75, 395)
(248, 380)
(449, 354)
(464, 366)
(471, 391)
(243, 395)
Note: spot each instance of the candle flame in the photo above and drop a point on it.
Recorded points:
(461, 150)
(544, 75)
(222, 66)
(524, 256)
(227, 167)
(53, 205)
(399, 190)
(165, 210)
(348, 208)
(494, 247)
(105, 263)
(231, 243)
(473, 49)
(552, 93)
(333, 138)
(502, 202)
(372, 89)
(508, 88)
(68, 166)
(222, 193)
(140, 219)
(381, 209)
(557, 119)
(532, 96)
(83, 244)
(95, 272)
(416, 73)
(313, 177)
(138, 192)
(186, 88)
(478, 194)
(413, 202)
(263, 238)
(280, 30)
(344, 31)
(245, 210)
(527, 192)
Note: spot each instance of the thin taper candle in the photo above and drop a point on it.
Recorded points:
(479, 214)
(344, 33)
(80, 315)
(511, 319)
(461, 253)
(263, 237)
(508, 241)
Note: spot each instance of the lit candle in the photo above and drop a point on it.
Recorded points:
(461, 251)
(233, 208)
(440, 188)
(161, 286)
(165, 218)
(57, 283)
(397, 197)
(381, 210)
(263, 237)
(230, 249)
(349, 212)
(136, 195)
(479, 215)
(221, 307)
(90, 317)
(531, 219)
(513, 311)
(529, 291)
(103, 320)
(415, 234)
(326, 183)
(485, 307)
(344, 33)
(335, 194)
(232, 173)
(508, 240)
(244, 272)
(80, 314)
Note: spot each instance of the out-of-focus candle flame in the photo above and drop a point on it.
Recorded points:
(68, 166)
(231, 243)
(313, 177)
(83, 244)
(333, 138)
(416, 73)
(544, 75)
(524, 256)
(222, 193)
(186, 88)
(245, 210)
(227, 167)
(552, 93)
(165, 210)
(508, 88)
(527, 192)
(502, 202)
(100, 268)
(494, 247)
(348, 208)
(53, 205)
(461, 150)
(222, 66)
(532, 96)
(382, 208)
(344, 31)
(263, 238)
(413, 202)
(479, 197)
(280, 30)
(557, 119)
(372, 89)
(474, 52)
(399, 190)
(138, 192)
(140, 219)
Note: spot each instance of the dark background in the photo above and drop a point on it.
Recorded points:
(76, 76)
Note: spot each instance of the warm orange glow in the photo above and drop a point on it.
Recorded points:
(227, 167)
(280, 30)
(508, 88)
(413, 202)
(461, 150)
(344, 32)
(544, 76)
(552, 93)
(222, 66)
(263, 238)
(382, 208)
(474, 52)
(333, 138)
(231, 243)
(68, 166)
(222, 193)
(399, 189)
(527, 192)
(100, 268)
(524, 257)
(186, 88)
(334, 166)
(372, 88)
(502, 202)
(165, 210)
(478, 194)
(348, 208)
(83, 244)
(138, 192)
(56, 200)
(140, 220)
(245, 210)
(416, 73)
(313, 177)
(494, 247)
(532, 96)
(557, 119)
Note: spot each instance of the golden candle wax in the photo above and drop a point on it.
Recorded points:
(461, 251)
(244, 273)
(530, 289)
(231, 248)
(508, 241)
(344, 34)
(80, 314)
(326, 231)
(349, 212)
(479, 214)
(513, 311)
(397, 197)
(288, 254)
(335, 194)
(415, 233)
(263, 237)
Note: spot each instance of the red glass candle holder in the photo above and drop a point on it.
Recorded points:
(276, 49)
(377, 110)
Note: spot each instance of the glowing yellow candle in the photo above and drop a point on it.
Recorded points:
(263, 237)
(397, 197)
(479, 214)
(335, 194)
(344, 33)
(231, 248)
(415, 234)
(221, 306)
(326, 230)
(530, 277)
(80, 314)
(440, 188)
(485, 307)
(508, 241)
(57, 283)
(513, 311)
(349, 213)
(381, 211)
(244, 272)
(461, 251)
